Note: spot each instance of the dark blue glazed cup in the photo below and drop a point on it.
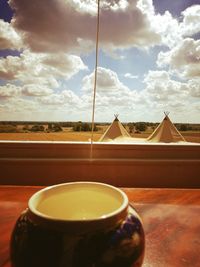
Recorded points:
(81, 224)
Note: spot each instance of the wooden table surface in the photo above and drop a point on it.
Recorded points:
(171, 219)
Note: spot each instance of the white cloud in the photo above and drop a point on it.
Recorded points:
(164, 25)
(45, 81)
(36, 90)
(130, 76)
(171, 30)
(161, 88)
(112, 96)
(191, 20)
(9, 90)
(54, 99)
(183, 58)
(29, 66)
(63, 65)
(88, 6)
(9, 38)
(17, 108)
(162, 93)
(9, 66)
(66, 97)
(194, 87)
(107, 82)
(146, 6)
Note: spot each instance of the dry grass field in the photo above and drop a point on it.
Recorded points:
(69, 135)
(59, 136)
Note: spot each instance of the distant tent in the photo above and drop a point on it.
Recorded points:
(166, 132)
(115, 131)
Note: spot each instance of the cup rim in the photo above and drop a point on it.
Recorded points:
(123, 207)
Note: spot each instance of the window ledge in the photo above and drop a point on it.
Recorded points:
(127, 165)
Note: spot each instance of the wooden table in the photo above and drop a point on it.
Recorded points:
(171, 220)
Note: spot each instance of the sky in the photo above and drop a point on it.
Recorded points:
(149, 60)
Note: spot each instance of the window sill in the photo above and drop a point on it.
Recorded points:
(126, 165)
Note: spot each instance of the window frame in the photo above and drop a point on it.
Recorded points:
(124, 165)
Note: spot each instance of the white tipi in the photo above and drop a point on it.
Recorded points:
(115, 131)
(166, 132)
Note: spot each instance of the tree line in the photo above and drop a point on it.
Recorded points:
(84, 127)
(47, 127)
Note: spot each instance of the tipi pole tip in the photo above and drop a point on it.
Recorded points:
(116, 117)
(166, 113)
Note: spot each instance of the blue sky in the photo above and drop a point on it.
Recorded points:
(149, 60)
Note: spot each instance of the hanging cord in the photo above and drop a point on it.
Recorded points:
(95, 77)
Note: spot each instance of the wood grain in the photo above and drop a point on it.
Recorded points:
(171, 219)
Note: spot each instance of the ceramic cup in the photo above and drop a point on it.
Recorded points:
(81, 224)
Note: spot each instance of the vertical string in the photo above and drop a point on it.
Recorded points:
(95, 77)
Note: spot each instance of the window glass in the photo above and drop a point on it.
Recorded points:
(149, 62)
